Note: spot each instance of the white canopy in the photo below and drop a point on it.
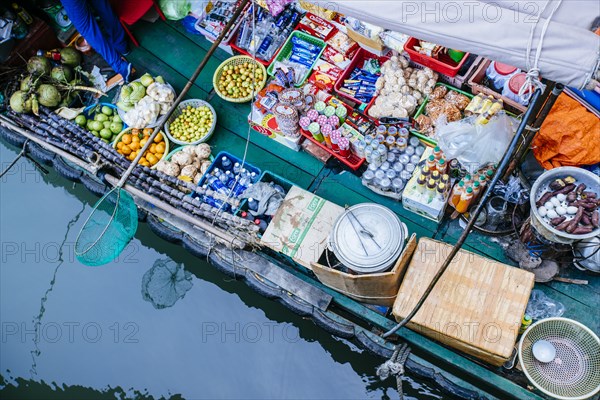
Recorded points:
(499, 30)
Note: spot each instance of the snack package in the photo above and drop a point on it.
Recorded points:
(322, 80)
(335, 57)
(328, 68)
(342, 43)
(317, 26)
(267, 97)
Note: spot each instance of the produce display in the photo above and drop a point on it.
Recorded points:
(193, 124)
(441, 102)
(240, 80)
(50, 83)
(102, 121)
(188, 163)
(569, 206)
(400, 88)
(143, 101)
(132, 140)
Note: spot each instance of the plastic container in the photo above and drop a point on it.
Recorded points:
(233, 61)
(499, 73)
(512, 87)
(123, 112)
(444, 65)
(476, 83)
(358, 60)
(286, 51)
(421, 110)
(217, 164)
(195, 103)
(124, 131)
(268, 176)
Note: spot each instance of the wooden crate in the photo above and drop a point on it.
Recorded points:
(476, 306)
(380, 289)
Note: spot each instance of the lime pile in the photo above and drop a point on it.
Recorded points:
(105, 124)
(192, 125)
(237, 81)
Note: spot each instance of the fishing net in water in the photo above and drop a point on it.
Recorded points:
(108, 229)
(165, 283)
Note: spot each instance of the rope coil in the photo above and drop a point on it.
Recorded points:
(395, 367)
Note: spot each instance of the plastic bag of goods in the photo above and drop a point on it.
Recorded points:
(175, 9)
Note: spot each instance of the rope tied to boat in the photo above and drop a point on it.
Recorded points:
(395, 367)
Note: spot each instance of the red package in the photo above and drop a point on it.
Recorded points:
(322, 81)
(335, 57)
(328, 68)
(343, 43)
(317, 26)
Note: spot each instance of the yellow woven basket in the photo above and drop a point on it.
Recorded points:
(233, 61)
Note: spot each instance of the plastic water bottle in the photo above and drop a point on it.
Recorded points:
(225, 163)
(224, 178)
(215, 172)
(242, 184)
(253, 177)
(262, 224)
(230, 179)
(236, 168)
(252, 204)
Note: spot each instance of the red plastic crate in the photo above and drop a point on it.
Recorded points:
(357, 60)
(352, 161)
(445, 65)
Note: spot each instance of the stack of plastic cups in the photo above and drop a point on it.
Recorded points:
(329, 111)
(341, 113)
(321, 120)
(312, 115)
(335, 138)
(334, 121)
(360, 148)
(304, 122)
(344, 145)
(320, 107)
(327, 130)
(315, 129)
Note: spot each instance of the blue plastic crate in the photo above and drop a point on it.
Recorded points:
(268, 176)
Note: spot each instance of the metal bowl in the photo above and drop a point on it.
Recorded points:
(541, 185)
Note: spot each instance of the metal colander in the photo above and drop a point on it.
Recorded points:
(575, 371)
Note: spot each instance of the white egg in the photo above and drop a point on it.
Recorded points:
(560, 210)
(571, 210)
(552, 214)
(542, 211)
(555, 201)
(549, 205)
(561, 197)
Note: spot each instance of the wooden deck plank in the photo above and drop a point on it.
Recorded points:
(198, 39)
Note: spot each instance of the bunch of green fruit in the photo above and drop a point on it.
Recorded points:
(105, 124)
(238, 81)
(193, 124)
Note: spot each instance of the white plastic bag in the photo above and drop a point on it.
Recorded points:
(475, 145)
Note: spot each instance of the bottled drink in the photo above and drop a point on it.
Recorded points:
(421, 180)
(236, 168)
(468, 179)
(441, 165)
(426, 171)
(262, 224)
(431, 162)
(525, 322)
(224, 178)
(225, 163)
(252, 204)
(465, 200)
(456, 193)
(440, 191)
(437, 153)
(476, 188)
(431, 186)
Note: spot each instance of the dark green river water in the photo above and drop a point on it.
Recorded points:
(71, 331)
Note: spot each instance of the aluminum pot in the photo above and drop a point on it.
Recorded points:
(541, 186)
(368, 238)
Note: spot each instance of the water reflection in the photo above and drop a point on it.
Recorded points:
(98, 337)
(165, 283)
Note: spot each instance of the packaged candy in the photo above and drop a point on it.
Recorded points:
(342, 43)
(335, 57)
(317, 26)
(322, 80)
(329, 69)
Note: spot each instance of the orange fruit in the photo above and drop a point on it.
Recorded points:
(160, 148)
(134, 146)
(119, 145)
(143, 141)
(159, 156)
(151, 159)
(126, 138)
(158, 138)
(135, 138)
(147, 131)
(131, 157)
(125, 150)
(152, 148)
(135, 131)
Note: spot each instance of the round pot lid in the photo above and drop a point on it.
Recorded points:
(368, 238)
(504, 69)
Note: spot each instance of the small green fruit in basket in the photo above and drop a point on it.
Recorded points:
(96, 125)
(81, 120)
(116, 118)
(106, 124)
(106, 134)
(101, 117)
(193, 124)
(106, 110)
(116, 127)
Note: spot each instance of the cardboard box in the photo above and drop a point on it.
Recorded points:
(414, 201)
(476, 307)
(373, 46)
(267, 125)
(380, 289)
(301, 226)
